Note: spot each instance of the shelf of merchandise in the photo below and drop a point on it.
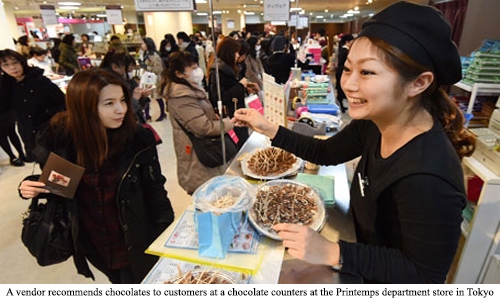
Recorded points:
(482, 232)
(476, 89)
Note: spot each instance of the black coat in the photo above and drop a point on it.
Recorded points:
(7, 117)
(33, 100)
(279, 65)
(230, 88)
(143, 204)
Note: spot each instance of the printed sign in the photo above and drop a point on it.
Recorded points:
(163, 5)
(276, 10)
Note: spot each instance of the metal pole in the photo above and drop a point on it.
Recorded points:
(217, 80)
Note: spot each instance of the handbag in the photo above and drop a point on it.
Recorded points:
(46, 231)
(209, 149)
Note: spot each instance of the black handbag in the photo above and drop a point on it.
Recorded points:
(209, 149)
(47, 231)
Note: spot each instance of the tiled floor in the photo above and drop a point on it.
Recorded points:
(17, 265)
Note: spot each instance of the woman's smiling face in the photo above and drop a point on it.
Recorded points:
(373, 89)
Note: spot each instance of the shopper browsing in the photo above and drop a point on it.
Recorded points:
(121, 205)
(408, 193)
(191, 109)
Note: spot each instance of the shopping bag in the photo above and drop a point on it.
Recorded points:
(220, 204)
(253, 101)
(216, 232)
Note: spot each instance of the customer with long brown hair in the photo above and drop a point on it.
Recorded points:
(121, 205)
(232, 88)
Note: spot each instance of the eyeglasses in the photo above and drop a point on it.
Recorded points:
(10, 64)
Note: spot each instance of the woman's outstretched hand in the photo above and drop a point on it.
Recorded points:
(249, 117)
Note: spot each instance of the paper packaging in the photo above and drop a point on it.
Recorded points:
(60, 176)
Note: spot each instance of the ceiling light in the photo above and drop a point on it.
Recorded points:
(217, 12)
(353, 11)
(101, 15)
(69, 7)
(69, 3)
(326, 10)
(319, 17)
(201, 1)
(356, 8)
(249, 13)
(295, 9)
(202, 14)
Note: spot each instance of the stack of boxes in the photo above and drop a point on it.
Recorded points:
(484, 65)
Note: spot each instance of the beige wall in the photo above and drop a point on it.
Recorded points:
(481, 22)
(160, 23)
(9, 25)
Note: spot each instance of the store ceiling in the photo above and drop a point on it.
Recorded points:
(329, 8)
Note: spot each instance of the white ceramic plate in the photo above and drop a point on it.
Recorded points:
(319, 217)
(246, 170)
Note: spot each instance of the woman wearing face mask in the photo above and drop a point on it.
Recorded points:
(167, 47)
(254, 68)
(151, 61)
(190, 107)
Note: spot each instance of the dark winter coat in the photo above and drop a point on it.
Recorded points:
(230, 88)
(34, 100)
(143, 204)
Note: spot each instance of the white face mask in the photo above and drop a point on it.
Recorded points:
(168, 48)
(130, 74)
(257, 47)
(196, 76)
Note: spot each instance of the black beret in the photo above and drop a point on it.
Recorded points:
(422, 33)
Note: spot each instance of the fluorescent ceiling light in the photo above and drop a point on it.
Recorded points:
(319, 17)
(69, 7)
(202, 14)
(249, 13)
(201, 1)
(101, 15)
(295, 9)
(217, 12)
(69, 3)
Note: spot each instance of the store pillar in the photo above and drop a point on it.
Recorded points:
(7, 22)
(160, 23)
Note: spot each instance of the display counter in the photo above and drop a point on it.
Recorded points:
(277, 266)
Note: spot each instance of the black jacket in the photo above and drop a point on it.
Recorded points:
(144, 207)
(34, 100)
(230, 88)
(407, 210)
(279, 65)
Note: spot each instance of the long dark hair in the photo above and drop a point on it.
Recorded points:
(226, 51)
(177, 62)
(94, 144)
(252, 41)
(150, 45)
(8, 53)
(435, 100)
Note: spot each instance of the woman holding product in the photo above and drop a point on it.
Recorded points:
(120, 206)
(408, 193)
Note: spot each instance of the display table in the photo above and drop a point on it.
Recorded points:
(277, 266)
